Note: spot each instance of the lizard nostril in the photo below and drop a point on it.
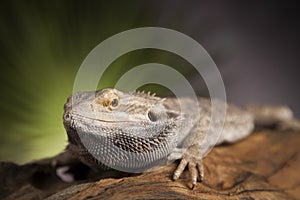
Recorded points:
(152, 116)
(67, 117)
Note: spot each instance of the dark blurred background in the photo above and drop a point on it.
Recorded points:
(42, 44)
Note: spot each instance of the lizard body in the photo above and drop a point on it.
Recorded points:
(140, 131)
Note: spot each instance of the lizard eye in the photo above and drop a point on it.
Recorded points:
(114, 103)
(108, 98)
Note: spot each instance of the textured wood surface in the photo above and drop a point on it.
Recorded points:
(266, 165)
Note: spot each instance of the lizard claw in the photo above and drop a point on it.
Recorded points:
(195, 168)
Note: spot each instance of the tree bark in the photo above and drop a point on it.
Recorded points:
(263, 166)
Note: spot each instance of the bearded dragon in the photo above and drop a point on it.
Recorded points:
(138, 131)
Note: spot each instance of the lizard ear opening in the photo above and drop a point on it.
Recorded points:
(152, 116)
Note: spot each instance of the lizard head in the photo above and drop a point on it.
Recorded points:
(139, 126)
(114, 106)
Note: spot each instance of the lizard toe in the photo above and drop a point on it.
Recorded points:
(195, 170)
(179, 169)
(194, 166)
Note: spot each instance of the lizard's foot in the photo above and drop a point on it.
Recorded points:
(193, 160)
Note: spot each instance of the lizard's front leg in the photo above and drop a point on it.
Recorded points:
(193, 159)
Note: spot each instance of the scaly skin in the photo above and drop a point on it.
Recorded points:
(136, 131)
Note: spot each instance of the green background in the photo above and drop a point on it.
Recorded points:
(43, 44)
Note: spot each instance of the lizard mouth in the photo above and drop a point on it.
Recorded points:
(76, 115)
